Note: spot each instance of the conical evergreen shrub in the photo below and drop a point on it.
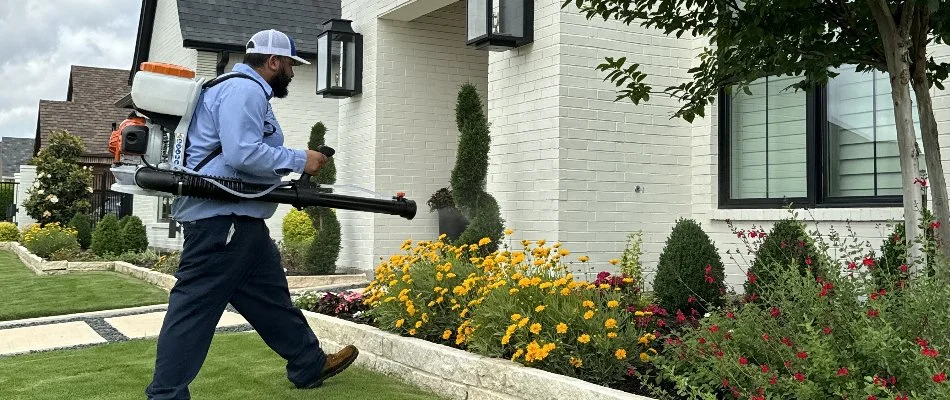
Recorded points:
(107, 238)
(690, 272)
(786, 246)
(134, 236)
(82, 223)
(325, 248)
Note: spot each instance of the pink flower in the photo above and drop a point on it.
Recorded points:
(800, 376)
(939, 378)
(842, 371)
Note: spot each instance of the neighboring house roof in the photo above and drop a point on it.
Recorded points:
(89, 110)
(214, 25)
(14, 152)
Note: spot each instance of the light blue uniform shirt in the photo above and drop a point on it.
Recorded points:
(237, 115)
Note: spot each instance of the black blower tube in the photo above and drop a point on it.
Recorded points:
(299, 196)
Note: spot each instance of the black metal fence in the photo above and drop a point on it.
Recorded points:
(104, 201)
(7, 200)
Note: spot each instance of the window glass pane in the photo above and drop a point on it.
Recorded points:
(768, 142)
(862, 151)
(748, 143)
(787, 140)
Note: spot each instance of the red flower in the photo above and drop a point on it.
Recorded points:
(921, 181)
(874, 296)
(709, 279)
(801, 243)
(718, 353)
(714, 328)
(929, 352)
(873, 313)
(765, 368)
(826, 330)
(743, 361)
(803, 355)
(842, 371)
(939, 378)
(787, 341)
(852, 265)
(800, 376)
(753, 234)
(773, 379)
(702, 340)
(725, 383)
(690, 299)
(935, 225)
(868, 261)
(904, 268)
(921, 342)
(730, 315)
(808, 260)
(872, 397)
(776, 312)
(751, 276)
(788, 364)
(900, 397)
(765, 337)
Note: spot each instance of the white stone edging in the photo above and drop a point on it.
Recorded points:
(450, 372)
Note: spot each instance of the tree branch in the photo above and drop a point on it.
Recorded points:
(907, 18)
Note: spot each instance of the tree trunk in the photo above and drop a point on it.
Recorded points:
(897, 41)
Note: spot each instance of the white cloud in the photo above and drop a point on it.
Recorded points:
(42, 39)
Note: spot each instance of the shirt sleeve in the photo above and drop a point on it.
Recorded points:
(240, 123)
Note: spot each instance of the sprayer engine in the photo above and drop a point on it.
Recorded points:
(149, 151)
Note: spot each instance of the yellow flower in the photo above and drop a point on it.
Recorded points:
(412, 332)
(517, 354)
(399, 323)
(505, 339)
(512, 291)
(638, 313)
(561, 328)
(447, 334)
(610, 323)
(588, 304)
(535, 328)
(566, 292)
(508, 232)
(418, 324)
(584, 259)
(545, 285)
(585, 338)
(620, 354)
(515, 317)
(539, 308)
(644, 357)
(523, 322)
(577, 362)
(564, 252)
(613, 304)
(541, 242)
(612, 335)
(484, 241)
(614, 261)
(589, 314)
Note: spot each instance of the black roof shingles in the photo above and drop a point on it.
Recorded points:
(229, 24)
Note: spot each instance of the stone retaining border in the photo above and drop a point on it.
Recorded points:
(453, 373)
(40, 266)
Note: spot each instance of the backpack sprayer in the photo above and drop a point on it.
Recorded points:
(149, 152)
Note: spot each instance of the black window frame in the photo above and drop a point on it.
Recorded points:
(816, 150)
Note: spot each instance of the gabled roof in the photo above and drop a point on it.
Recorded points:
(89, 110)
(215, 25)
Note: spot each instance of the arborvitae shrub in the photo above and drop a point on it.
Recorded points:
(471, 171)
(298, 227)
(325, 248)
(690, 272)
(107, 238)
(786, 246)
(134, 236)
(82, 223)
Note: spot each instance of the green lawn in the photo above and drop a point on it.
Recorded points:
(24, 294)
(239, 366)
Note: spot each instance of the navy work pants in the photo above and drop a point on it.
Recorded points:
(229, 259)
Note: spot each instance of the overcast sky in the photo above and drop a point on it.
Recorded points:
(41, 39)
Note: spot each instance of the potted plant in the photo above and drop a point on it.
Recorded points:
(451, 221)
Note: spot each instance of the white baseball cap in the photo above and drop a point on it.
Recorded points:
(274, 42)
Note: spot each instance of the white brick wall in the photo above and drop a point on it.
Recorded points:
(421, 65)
(166, 38)
(24, 181)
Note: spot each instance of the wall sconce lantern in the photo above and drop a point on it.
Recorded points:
(500, 25)
(339, 60)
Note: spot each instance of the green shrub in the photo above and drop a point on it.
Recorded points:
(74, 255)
(891, 267)
(829, 338)
(49, 239)
(82, 223)
(62, 186)
(690, 274)
(327, 173)
(168, 263)
(298, 227)
(325, 247)
(786, 246)
(8, 232)
(134, 236)
(107, 238)
(471, 171)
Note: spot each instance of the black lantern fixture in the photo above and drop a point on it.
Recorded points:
(339, 60)
(500, 25)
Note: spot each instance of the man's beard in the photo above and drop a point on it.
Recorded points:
(280, 84)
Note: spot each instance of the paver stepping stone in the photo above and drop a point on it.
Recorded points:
(46, 337)
(150, 324)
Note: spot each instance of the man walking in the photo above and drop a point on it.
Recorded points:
(228, 255)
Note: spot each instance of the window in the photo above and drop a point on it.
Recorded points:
(164, 209)
(835, 145)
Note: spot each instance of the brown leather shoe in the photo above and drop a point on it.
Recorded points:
(336, 363)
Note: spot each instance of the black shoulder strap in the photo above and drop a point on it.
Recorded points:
(221, 78)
